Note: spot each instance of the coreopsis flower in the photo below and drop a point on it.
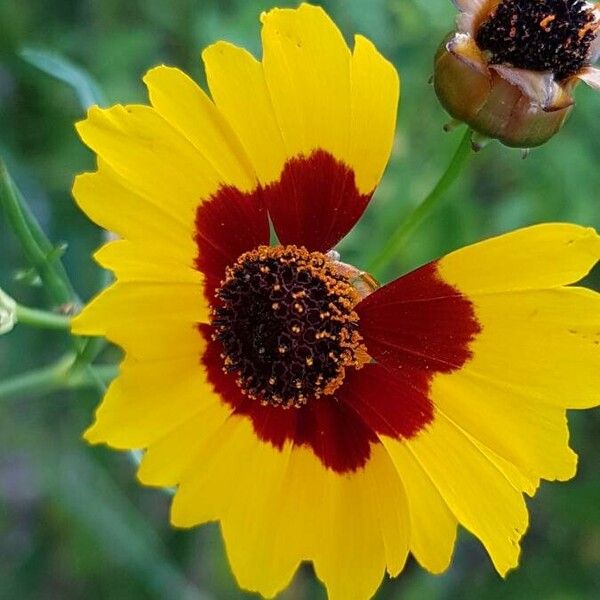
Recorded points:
(510, 69)
(316, 415)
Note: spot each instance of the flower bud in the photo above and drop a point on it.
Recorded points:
(8, 312)
(510, 69)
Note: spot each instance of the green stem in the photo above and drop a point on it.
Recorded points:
(97, 377)
(55, 377)
(34, 383)
(38, 249)
(424, 209)
(90, 349)
(42, 319)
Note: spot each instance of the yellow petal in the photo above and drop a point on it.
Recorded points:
(352, 534)
(148, 400)
(520, 480)
(308, 93)
(474, 488)
(307, 69)
(163, 334)
(169, 457)
(154, 158)
(543, 345)
(535, 257)
(186, 107)
(525, 431)
(105, 197)
(282, 507)
(237, 85)
(432, 524)
(375, 96)
(123, 310)
(138, 262)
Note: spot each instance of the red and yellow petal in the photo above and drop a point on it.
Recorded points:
(308, 119)
(432, 524)
(153, 157)
(229, 224)
(188, 109)
(283, 506)
(508, 347)
(539, 338)
(127, 309)
(152, 178)
(309, 93)
(482, 499)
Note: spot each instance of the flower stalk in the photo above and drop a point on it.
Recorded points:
(38, 249)
(75, 370)
(41, 318)
(59, 376)
(433, 200)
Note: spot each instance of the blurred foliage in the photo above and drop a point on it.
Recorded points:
(73, 521)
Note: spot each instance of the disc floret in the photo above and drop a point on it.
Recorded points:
(286, 321)
(545, 35)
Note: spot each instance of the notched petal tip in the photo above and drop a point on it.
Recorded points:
(222, 48)
(303, 9)
(91, 436)
(157, 71)
(91, 114)
(365, 46)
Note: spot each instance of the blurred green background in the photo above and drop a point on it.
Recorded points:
(73, 522)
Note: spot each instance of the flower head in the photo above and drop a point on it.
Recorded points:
(315, 414)
(511, 68)
(8, 313)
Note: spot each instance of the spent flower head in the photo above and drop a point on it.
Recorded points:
(510, 69)
(8, 312)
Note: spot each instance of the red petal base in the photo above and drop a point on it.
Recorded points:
(414, 328)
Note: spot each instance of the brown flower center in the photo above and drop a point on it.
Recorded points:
(540, 35)
(287, 325)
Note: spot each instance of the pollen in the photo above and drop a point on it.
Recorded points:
(540, 35)
(287, 324)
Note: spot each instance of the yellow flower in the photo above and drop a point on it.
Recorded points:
(315, 416)
(510, 69)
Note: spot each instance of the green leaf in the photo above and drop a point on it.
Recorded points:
(83, 84)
